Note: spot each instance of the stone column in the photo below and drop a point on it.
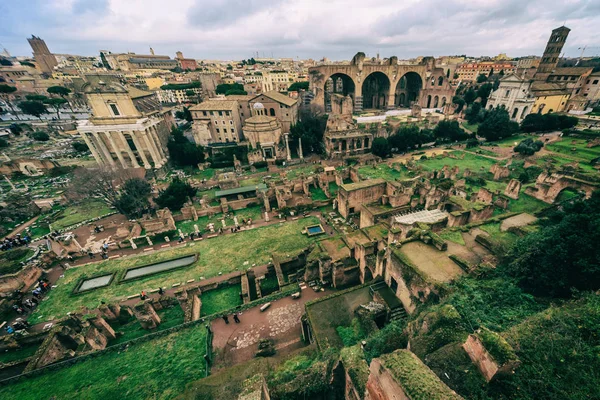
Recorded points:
(134, 162)
(390, 101)
(140, 149)
(153, 152)
(340, 145)
(104, 149)
(116, 149)
(153, 132)
(287, 146)
(300, 148)
(92, 146)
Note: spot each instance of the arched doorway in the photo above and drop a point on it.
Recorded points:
(436, 100)
(443, 101)
(515, 112)
(375, 91)
(368, 275)
(408, 89)
(338, 84)
(428, 101)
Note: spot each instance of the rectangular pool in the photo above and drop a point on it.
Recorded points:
(139, 272)
(95, 283)
(314, 230)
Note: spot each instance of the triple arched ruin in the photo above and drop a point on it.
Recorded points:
(381, 84)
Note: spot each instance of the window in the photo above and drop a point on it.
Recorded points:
(272, 112)
(230, 122)
(228, 113)
(224, 130)
(218, 131)
(204, 112)
(114, 109)
(220, 113)
(507, 93)
(232, 130)
(223, 122)
(595, 82)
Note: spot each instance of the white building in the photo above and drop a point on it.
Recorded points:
(514, 95)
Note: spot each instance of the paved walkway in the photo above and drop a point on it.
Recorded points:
(236, 343)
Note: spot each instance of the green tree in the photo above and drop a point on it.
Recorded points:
(185, 114)
(482, 78)
(233, 92)
(133, 200)
(460, 103)
(40, 136)
(470, 96)
(298, 86)
(61, 91)
(36, 97)
(547, 122)
(3, 143)
(223, 88)
(56, 102)
(80, 147)
(310, 128)
(175, 195)
(528, 147)
(381, 147)
(455, 76)
(473, 113)
(484, 92)
(183, 152)
(449, 131)
(5, 92)
(35, 108)
(497, 125)
(563, 255)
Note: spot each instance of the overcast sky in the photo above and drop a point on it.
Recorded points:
(235, 29)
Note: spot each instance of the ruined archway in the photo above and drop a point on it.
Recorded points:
(408, 89)
(340, 84)
(375, 91)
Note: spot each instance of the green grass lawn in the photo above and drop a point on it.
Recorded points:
(207, 173)
(75, 214)
(157, 369)
(453, 236)
(333, 188)
(224, 254)
(526, 204)
(169, 317)
(483, 151)
(221, 299)
(19, 354)
(381, 171)
(306, 170)
(317, 194)
(251, 212)
(470, 127)
(493, 229)
(473, 162)
(509, 141)
(575, 148)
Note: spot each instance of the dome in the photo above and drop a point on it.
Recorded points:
(258, 106)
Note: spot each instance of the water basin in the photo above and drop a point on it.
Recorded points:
(95, 283)
(314, 230)
(139, 272)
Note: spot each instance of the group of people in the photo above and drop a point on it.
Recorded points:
(103, 252)
(236, 318)
(23, 305)
(14, 242)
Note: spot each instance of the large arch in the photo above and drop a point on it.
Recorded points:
(338, 83)
(375, 90)
(408, 89)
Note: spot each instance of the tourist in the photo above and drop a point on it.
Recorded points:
(161, 291)
(226, 319)
(143, 295)
(236, 319)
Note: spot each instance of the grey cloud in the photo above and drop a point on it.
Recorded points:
(89, 6)
(226, 12)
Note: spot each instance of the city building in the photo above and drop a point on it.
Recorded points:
(513, 94)
(264, 134)
(280, 106)
(470, 71)
(43, 58)
(186, 63)
(277, 80)
(216, 121)
(128, 129)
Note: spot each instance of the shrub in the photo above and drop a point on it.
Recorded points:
(40, 136)
(3, 143)
(528, 147)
